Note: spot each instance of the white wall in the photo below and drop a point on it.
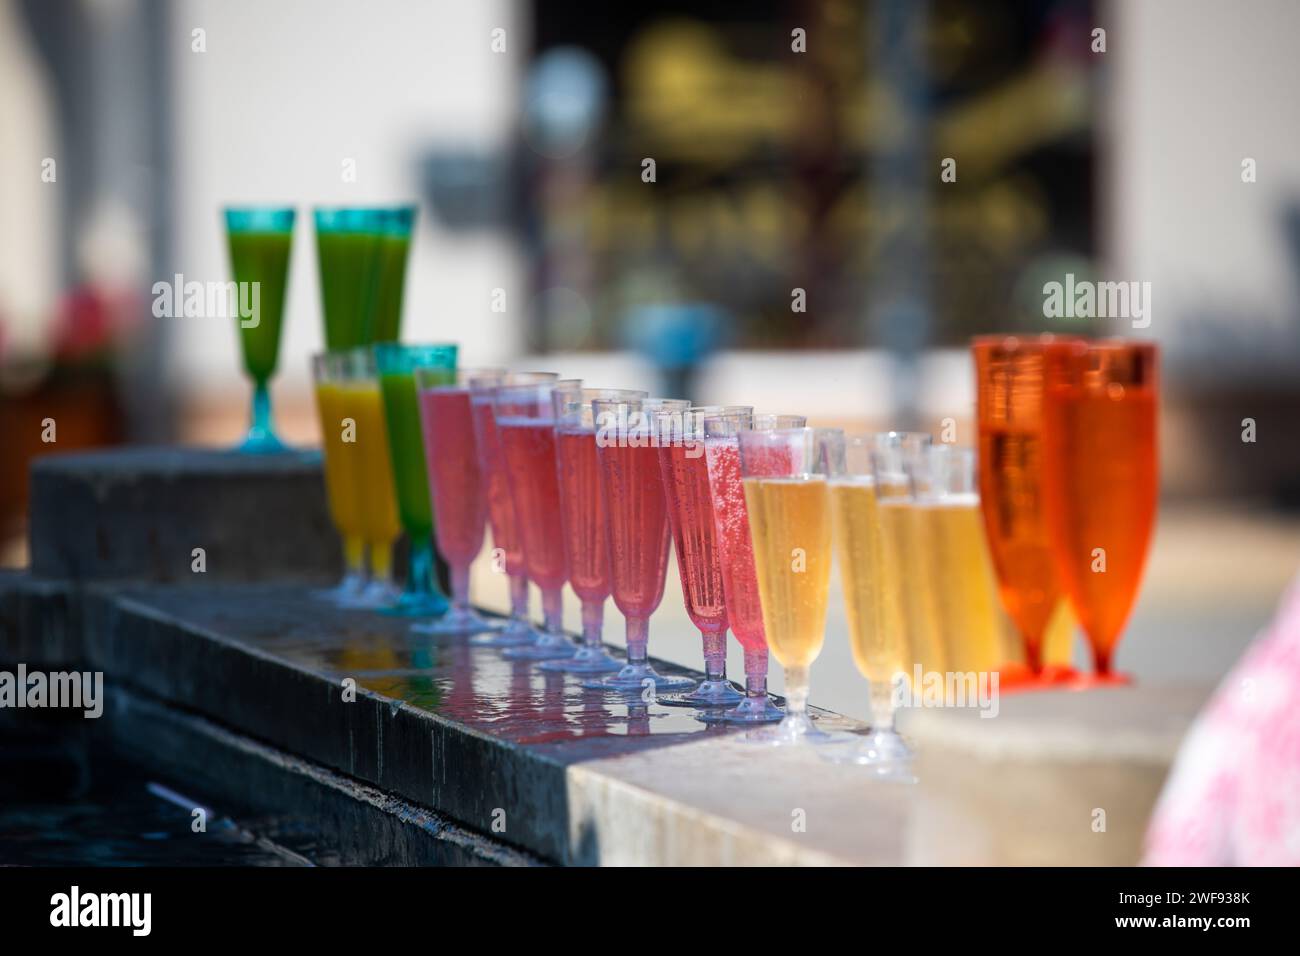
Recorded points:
(1196, 86)
(284, 92)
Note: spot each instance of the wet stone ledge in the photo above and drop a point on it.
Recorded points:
(517, 765)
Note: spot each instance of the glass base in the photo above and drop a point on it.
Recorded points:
(345, 593)
(458, 621)
(751, 710)
(883, 752)
(378, 595)
(260, 442)
(588, 660)
(547, 647)
(418, 604)
(515, 633)
(632, 678)
(796, 730)
(710, 693)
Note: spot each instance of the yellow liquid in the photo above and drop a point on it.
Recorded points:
(340, 480)
(909, 597)
(964, 589)
(789, 521)
(1058, 639)
(373, 472)
(879, 650)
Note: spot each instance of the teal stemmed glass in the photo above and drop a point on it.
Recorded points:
(397, 365)
(260, 238)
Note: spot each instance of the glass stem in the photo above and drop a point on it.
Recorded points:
(882, 707)
(715, 654)
(419, 565)
(796, 692)
(519, 597)
(354, 554)
(260, 422)
(460, 587)
(638, 639)
(593, 622)
(756, 673)
(553, 610)
(381, 560)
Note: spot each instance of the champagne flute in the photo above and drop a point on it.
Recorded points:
(367, 446)
(397, 364)
(961, 577)
(638, 530)
(329, 374)
(456, 487)
(1009, 406)
(507, 543)
(1100, 481)
(586, 524)
(869, 481)
(690, 516)
(259, 238)
(525, 420)
(736, 551)
(785, 471)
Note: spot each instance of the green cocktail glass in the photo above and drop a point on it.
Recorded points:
(260, 238)
(394, 247)
(397, 364)
(349, 246)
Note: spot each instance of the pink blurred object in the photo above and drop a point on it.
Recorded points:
(1233, 796)
(90, 319)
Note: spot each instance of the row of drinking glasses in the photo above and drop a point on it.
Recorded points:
(588, 486)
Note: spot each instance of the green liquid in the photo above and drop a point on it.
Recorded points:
(349, 269)
(392, 281)
(261, 257)
(406, 449)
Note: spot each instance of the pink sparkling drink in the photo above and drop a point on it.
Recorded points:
(501, 506)
(736, 551)
(455, 483)
(456, 487)
(501, 509)
(637, 510)
(586, 532)
(529, 450)
(690, 512)
(526, 425)
(638, 528)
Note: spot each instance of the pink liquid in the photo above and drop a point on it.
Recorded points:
(501, 507)
(455, 482)
(582, 500)
(690, 513)
(739, 575)
(638, 527)
(528, 448)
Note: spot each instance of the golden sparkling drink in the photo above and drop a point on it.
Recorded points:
(371, 471)
(907, 584)
(879, 650)
(962, 584)
(789, 520)
(340, 479)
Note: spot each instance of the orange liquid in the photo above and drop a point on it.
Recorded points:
(1100, 477)
(1011, 500)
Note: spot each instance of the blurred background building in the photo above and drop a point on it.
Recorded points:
(799, 248)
